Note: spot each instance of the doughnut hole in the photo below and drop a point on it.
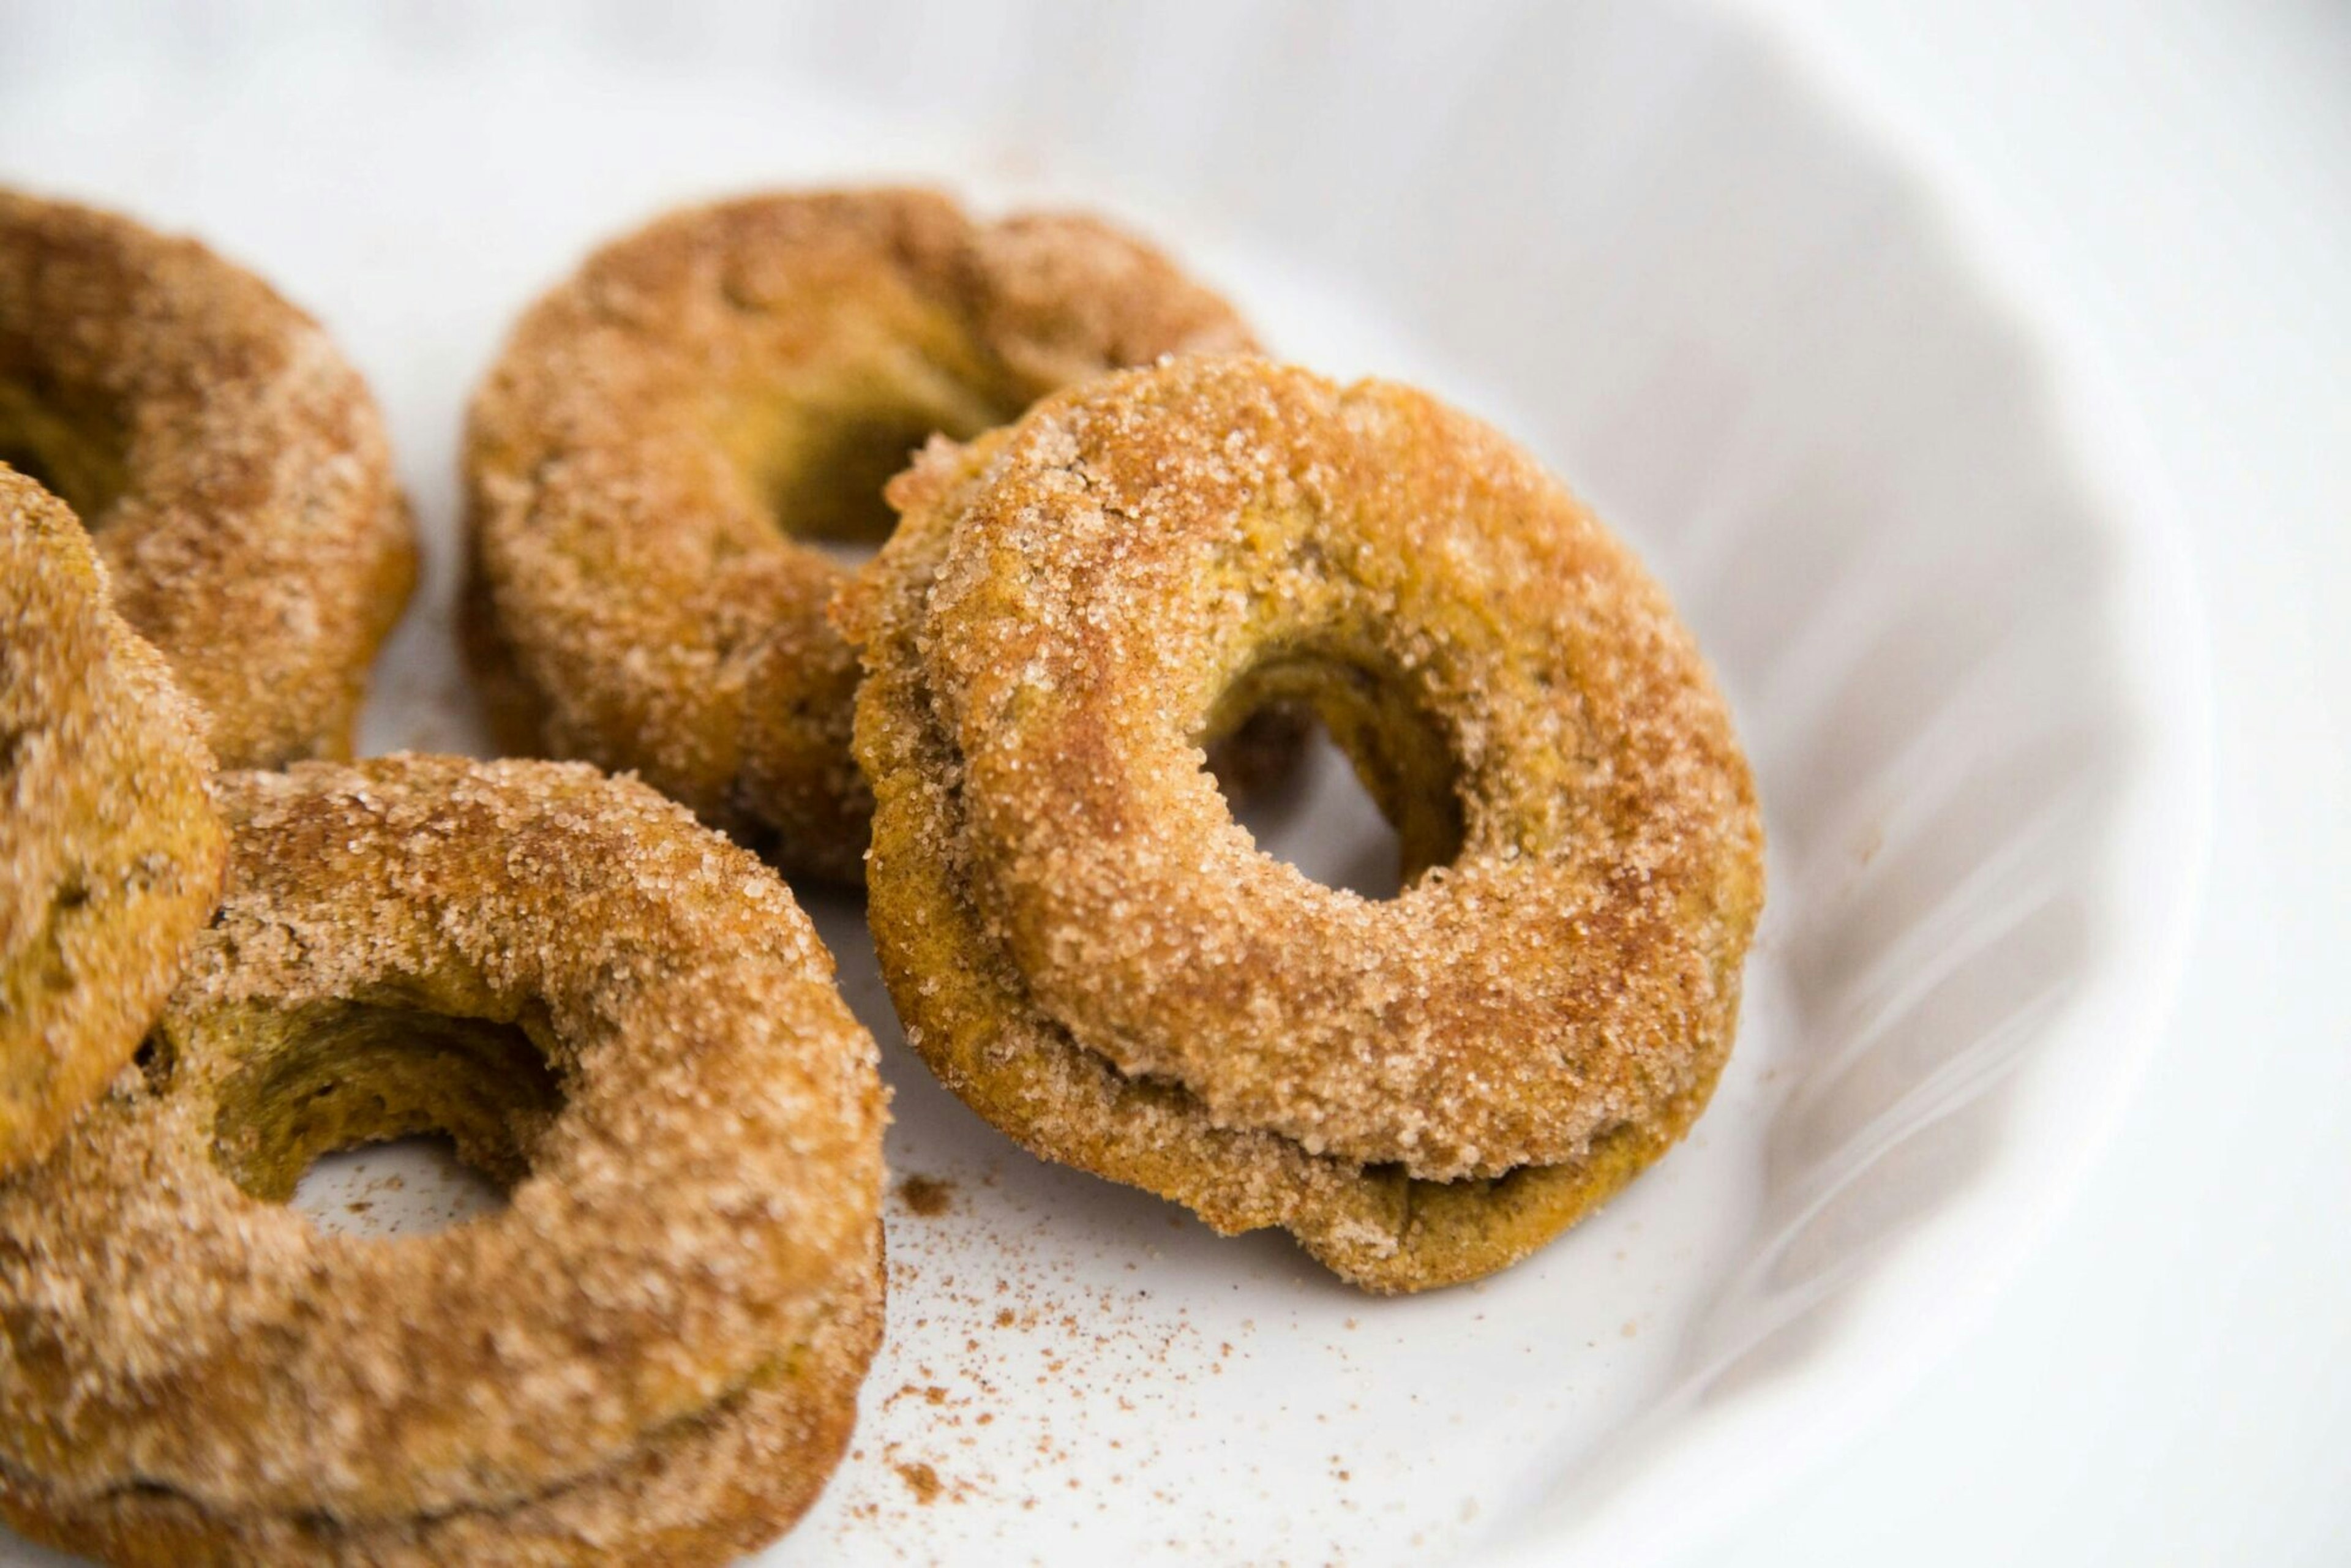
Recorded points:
(816, 446)
(1402, 765)
(322, 1078)
(72, 448)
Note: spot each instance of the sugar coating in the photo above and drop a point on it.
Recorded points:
(706, 1199)
(1085, 945)
(250, 517)
(710, 1488)
(110, 857)
(666, 424)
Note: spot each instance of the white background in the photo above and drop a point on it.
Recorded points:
(2169, 1381)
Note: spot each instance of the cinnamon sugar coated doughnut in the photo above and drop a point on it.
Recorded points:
(651, 1353)
(229, 463)
(1086, 946)
(111, 858)
(669, 430)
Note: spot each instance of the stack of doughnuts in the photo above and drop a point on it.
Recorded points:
(1085, 945)
(651, 1353)
(1118, 565)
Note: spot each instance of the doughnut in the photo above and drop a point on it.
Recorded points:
(1086, 947)
(651, 1353)
(229, 463)
(672, 436)
(111, 858)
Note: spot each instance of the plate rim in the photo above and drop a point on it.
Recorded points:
(1687, 1480)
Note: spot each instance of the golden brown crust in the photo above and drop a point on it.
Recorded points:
(230, 465)
(110, 857)
(403, 943)
(666, 427)
(1087, 948)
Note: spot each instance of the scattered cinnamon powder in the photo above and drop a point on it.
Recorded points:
(922, 1481)
(929, 1197)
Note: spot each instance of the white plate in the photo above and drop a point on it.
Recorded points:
(1926, 568)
